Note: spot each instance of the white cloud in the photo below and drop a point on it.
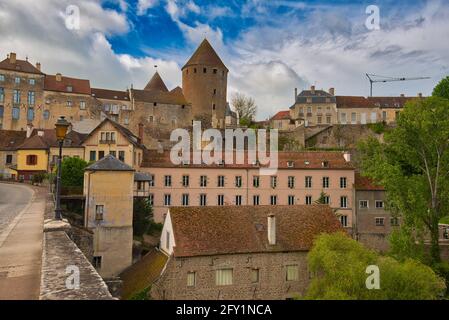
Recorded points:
(144, 5)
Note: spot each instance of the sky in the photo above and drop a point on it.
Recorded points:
(269, 46)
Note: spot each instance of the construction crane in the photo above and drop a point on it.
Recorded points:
(388, 79)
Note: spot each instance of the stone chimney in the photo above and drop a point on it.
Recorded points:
(312, 88)
(12, 57)
(347, 156)
(29, 129)
(58, 77)
(141, 132)
(271, 229)
(38, 66)
(332, 91)
(296, 93)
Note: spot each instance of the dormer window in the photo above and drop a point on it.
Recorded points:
(325, 164)
(69, 88)
(155, 104)
(307, 162)
(290, 164)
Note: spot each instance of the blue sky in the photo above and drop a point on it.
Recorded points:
(270, 46)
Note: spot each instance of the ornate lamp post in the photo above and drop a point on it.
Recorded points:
(61, 130)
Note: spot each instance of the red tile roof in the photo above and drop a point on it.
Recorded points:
(391, 102)
(353, 102)
(20, 66)
(366, 184)
(10, 139)
(205, 55)
(299, 160)
(281, 115)
(156, 83)
(202, 231)
(80, 86)
(110, 94)
(45, 139)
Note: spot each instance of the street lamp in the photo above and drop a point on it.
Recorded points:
(61, 130)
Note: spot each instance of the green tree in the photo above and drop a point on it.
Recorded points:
(339, 266)
(142, 216)
(413, 166)
(245, 107)
(322, 198)
(72, 174)
(442, 89)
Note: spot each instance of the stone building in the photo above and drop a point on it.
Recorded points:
(390, 107)
(204, 83)
(242, 253)
(282, 121)
(9, 141)
(108, 188)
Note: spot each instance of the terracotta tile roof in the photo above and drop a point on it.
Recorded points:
(80, 86)
(35, 142)
(281, 115)
(20, 66)
(10, 139)
(45, 139)
(205, 55)
(200, 231)
(110, 94)
(172, 97)
(353, 102)
(156, 83)
(143, 273)
(391, 102)
(365, 183)
(298, 160)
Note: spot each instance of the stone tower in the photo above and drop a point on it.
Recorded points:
(204, 84)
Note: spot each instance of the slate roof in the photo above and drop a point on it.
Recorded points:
(110, 94)
(317, 96)
(109, 163)
(205, 55)
(140, 176)
(20, 66)
(156, 83)
(80, 86)
(203, 231)
(10, 139)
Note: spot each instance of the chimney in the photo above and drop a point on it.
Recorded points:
(420, 95)
(296, 93)
(271, 229)
(29, 129)
(38, 66)
(347, 156)
(12, 57)
(312, 88)
(332, 91)
(402, 95)
(58, 77)
(141, 132)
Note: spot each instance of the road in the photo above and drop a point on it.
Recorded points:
(22, 212)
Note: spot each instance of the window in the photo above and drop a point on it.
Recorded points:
(326, 200)
(328, 119)
(113, 153)
(167, 240)
(215, 71)
(343, 183)
(69, 88)
(344, 220)
(343, 202)
(185, 181)
(167, 199)
(100, 155)
(380, 222)
(99, 211)
(194, 70)
(221, 181)
(308, 182)
(167, 181)
(17, 80)
(363, 204)
(2, 77)
(8, 158)
(308, 200)
(256, 181)
(31, 160)
(203, 199)
(31, 98)
(69, 103)
(325, 182)
(191, 279)
(213, 106)
(96, 262)
(238, 181)
(394, 222)
(256, 200)
(203, 181)
(32, 82)
(254, 275)
(343, 118)
(291, 200)
(223, 277)
(82, 105)
(384, 115)
(185, 199)
(92, 156)
(16, 96)
(151, 199)
(151, 182)
(2, 94)
(204, 70)
(121, 156)
(46, 114)
(30, 114)
(274, 181)
(15, 113)
(291, 273)
(373, 117)
(379, 204)
(319, 119)
(220, 200)
(273, 200)
(291, 182)
(353, 118)
(238, 200)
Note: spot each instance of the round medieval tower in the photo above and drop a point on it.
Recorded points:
(204, 84)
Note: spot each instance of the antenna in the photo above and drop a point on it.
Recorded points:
(373, 78)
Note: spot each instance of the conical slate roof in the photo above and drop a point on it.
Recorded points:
(205, 55)
(156, 83)
(109, 163)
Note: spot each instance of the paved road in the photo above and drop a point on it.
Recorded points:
(21, 231)
(13, 199)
